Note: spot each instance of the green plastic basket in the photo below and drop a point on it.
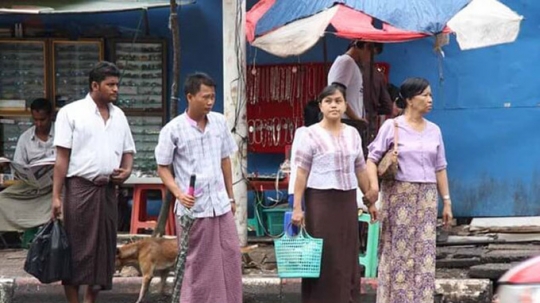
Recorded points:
(298, 256)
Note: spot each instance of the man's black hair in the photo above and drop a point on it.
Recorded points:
(41, 104)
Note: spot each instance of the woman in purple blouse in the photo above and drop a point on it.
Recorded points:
(409, 203)
(330, 168)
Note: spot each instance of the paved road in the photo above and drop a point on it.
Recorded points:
(103, 298)
(116, 298)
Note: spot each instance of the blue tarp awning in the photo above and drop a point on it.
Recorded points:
(421, 16)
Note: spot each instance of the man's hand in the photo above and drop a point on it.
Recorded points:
(233, 208)
(187, 200)
(56, 208)
(120, 175)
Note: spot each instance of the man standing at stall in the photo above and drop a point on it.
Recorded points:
(94, 148)
(377, 99)
(345, 72)
(198, 142)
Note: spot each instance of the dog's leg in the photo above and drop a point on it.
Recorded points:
(144, 287)
(163, 281)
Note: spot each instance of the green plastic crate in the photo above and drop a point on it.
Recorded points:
(274, 220)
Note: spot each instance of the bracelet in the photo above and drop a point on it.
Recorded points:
(446, 197)
(231, 200)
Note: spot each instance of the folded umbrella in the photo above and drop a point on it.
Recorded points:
(186, 222)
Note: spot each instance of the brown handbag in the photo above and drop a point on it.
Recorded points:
(388, 166)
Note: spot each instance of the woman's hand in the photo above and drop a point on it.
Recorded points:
(297, 217)
(373, 212)
(372, 195)
(447, 215)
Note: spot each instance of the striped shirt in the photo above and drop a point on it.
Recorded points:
(192, 151)
(332, 161)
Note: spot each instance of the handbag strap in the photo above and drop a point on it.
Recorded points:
(395, 137)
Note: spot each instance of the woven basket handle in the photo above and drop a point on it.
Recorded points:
(302, 233)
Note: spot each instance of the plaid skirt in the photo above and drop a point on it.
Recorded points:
(213, 270)
(90, 221)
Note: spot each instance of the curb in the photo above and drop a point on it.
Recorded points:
(6, 290)
(256, 288)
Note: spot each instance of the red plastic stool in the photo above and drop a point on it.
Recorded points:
(140, 219)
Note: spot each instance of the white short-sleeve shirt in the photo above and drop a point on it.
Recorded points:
(96, 146)
(345, 71)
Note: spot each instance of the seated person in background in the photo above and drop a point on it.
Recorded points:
(23, 206)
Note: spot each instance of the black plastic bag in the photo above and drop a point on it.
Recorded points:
(49, 257)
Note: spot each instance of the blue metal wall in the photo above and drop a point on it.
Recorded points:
(487, 105)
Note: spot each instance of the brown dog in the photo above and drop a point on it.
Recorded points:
(150, 255)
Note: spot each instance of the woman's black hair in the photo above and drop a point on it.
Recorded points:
(410, 88)
(330, 90)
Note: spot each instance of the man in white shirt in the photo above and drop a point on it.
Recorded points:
(345, 71)
(94, 148)
(22, 205)
(198, 142)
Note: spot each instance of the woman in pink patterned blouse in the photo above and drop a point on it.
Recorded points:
(331, 167)
(409, 203)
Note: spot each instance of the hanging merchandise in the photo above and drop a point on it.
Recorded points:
(276, 97)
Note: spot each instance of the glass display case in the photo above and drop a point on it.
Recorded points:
(143, 76)
(22, 73)
(11, 127)
(145, 130)
(72, 60)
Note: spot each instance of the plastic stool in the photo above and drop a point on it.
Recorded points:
(28, 236)
(290, 229)
(139, 217)
(254, 225)
(369, 259)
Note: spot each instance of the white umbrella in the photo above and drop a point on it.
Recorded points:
(485, 23)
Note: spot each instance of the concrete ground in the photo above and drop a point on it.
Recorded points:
(261, 284)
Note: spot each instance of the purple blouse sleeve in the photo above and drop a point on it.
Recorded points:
(441, 154)
(304, 153)
(382, 142)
